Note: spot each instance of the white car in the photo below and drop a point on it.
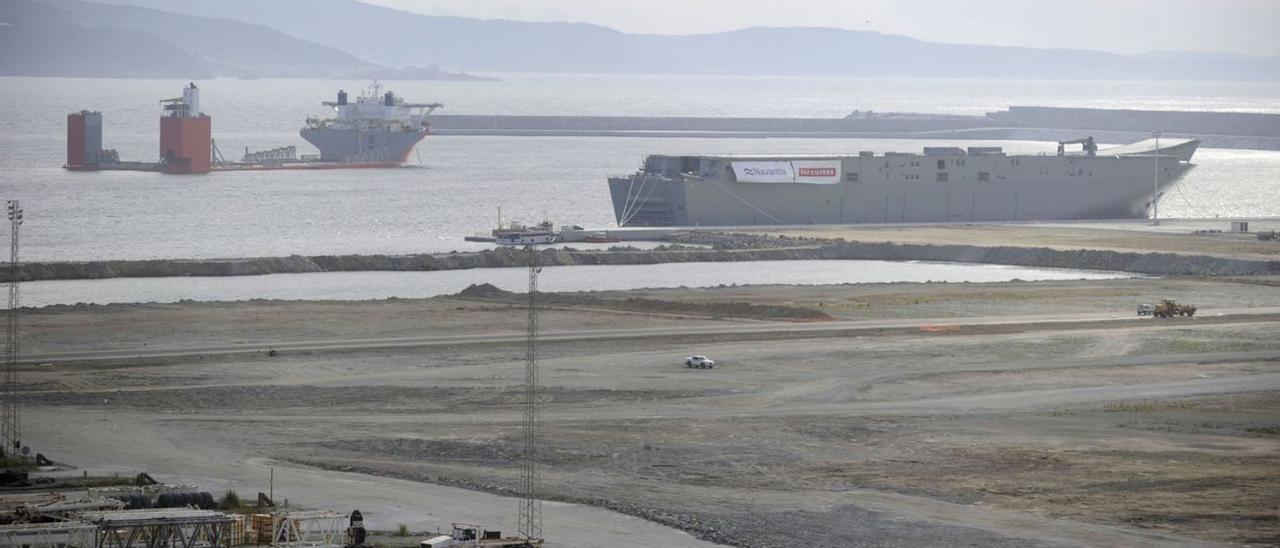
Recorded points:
(700, 362)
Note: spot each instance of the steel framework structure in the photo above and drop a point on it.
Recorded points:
(12, 502)
(161, 529)
(10, 417)
(308, 529)
(530, 526)
(74, 534)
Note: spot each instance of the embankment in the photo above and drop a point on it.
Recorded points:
(725, 248)
(1241, 130)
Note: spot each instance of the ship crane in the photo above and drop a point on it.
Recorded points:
(1090, 147)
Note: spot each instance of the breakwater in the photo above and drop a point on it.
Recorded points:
(1215, 129)
(726, 248)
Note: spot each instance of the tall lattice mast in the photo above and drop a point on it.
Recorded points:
(11, 429)
(530, 526)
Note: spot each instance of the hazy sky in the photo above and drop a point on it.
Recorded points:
(1123, 26)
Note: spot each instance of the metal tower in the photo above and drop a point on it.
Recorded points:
(10, 419)
(530, 526)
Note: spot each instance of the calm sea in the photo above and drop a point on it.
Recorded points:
(342, 286)
(460, 182)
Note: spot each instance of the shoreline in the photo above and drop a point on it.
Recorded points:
(725, 248)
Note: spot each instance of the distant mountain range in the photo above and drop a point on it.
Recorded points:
(75, 38)
(346, 38)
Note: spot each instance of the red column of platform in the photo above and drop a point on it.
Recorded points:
(186, 144)
(75, 140)
(198, 143)
(171, 144)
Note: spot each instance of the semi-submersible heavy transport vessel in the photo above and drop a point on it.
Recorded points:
(944, 184)
(375, 130)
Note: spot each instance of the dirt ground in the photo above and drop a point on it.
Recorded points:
(1057, 237)
(1145, 432)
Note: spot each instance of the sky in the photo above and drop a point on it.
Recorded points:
(1250, 27)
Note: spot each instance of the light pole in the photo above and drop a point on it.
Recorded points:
(1155, 185)
(11, 419)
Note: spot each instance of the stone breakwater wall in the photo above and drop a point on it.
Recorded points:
(726, 248)
(1241, 130)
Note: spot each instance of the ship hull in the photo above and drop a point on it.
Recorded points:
(908, 189)
(353, 146)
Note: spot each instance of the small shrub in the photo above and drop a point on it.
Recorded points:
(402, 530)
(230, 501)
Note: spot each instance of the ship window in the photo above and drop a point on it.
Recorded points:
(942, 177)
(1081, 172)
(942, 164)
(984, 176)
(851, 176)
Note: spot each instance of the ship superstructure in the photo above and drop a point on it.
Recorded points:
(376, 128)
(944, 184)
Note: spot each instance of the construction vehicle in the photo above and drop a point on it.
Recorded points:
(1169, 308)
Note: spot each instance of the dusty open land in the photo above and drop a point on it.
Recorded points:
(1063, 237)
(968, 415)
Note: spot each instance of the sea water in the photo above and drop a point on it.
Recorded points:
(455, 185)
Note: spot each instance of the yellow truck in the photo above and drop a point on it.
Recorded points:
(1169, 308)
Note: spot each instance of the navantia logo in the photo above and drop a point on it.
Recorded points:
(767, 172)
(817, 172)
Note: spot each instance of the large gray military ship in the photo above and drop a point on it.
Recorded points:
(375, 129)
(944, 184)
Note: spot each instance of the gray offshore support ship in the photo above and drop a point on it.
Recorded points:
(374, 129)
(945, 184)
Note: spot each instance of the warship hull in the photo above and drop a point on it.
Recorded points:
(947, 186)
